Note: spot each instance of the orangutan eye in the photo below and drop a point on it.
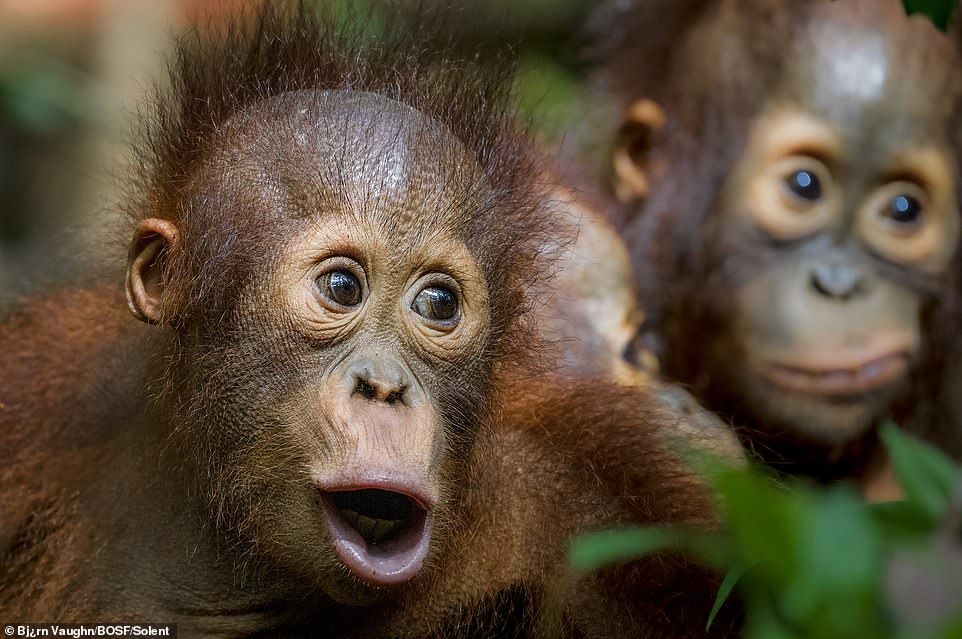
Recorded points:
(904, 211)
(340, 287)
(804, 185)
(437, 304)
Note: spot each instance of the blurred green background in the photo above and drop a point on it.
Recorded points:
(72, 73)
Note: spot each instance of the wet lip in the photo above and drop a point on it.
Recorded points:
(847, 378)
(381, 532)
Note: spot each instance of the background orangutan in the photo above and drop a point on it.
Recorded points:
(789, 180)
(331, 417)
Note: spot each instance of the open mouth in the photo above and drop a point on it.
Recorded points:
(840, 382)
(381, 535)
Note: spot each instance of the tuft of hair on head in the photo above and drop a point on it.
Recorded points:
(662, 50)
(631, 43)
(409, 56)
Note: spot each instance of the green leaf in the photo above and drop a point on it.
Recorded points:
(600, 549)
(926, 474)
(767, 522)
(764, 623)
(939, 11)
(835, 590)
(952, 629)
(901, 521)
(732, 577)
(596, 550)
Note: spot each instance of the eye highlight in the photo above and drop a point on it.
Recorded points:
(437, 304)
(341, 288)
(904, 211)
(804, 185)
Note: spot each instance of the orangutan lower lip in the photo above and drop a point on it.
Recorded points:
(381, 535)
(839, 382)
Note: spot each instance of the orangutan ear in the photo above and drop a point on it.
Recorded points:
(150, 249)
(643, 119)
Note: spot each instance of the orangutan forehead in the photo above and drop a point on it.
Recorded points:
(354, 152)
(862, 62)
(358, 133)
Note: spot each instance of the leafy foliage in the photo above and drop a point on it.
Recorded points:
(940, 11)
(820, 563)
(42, 94)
